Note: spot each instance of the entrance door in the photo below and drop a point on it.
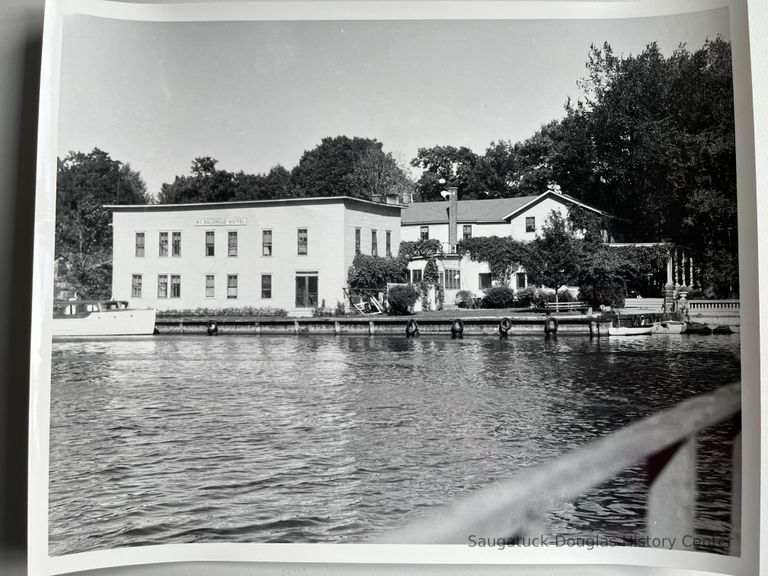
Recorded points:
(306, 290)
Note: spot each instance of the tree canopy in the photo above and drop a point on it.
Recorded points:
(338, 166)
(85, 183)
(206, 183)
(343, 166)
(650, 140)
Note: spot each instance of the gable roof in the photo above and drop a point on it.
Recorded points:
(491, 210)
(533, 200)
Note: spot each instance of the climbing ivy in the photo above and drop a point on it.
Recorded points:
(430, 248)
(503, 255)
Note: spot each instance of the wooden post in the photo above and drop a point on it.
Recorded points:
(672, 491)
(371, 328)
(337, 327)
(295, 326)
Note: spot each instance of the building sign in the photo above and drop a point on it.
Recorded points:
(221, 221)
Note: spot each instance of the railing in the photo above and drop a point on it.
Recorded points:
(565, 306)
(714, 305)
(666, 443)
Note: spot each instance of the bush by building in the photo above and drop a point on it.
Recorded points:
(401, 299)
(499, 297)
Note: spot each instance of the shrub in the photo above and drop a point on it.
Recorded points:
(463, 298)
(341, 309)
(401, 299)
(609, 294)
(499, 297)
(525, 297)
(566, 295)
(541, 297)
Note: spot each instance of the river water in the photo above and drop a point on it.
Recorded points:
(174, 439)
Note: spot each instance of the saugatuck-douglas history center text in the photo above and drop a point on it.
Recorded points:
(685, 542)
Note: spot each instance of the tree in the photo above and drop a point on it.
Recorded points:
(274, 184)
(459, 167)
(85, 183)
(657, 137)
(343, 166)
(556, 257)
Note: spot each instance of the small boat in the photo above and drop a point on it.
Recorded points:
(670, 327)
(101, 318)
(630, 330)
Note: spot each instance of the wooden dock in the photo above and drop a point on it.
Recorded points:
(567, 323)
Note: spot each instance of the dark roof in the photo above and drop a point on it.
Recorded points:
(246, 203)
(491, 210)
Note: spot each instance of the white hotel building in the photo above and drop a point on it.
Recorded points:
(520, 218)
(292, 254)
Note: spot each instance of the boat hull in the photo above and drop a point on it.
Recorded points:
(670, 327)
(107, 323)
(629, 330)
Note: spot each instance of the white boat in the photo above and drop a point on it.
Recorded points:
(630, 330)
(101, 318)
(670, 327)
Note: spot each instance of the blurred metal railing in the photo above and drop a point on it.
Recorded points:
(665, 443)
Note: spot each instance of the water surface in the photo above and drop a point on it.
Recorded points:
(171, 439)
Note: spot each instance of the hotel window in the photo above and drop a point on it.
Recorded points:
(210, 239)
(266, 242)
(266, 285)
(357, 240)
(452, 280)
(374, 243)
(484, 281)
(210, 286)
(163, 243)
(162, 286)
(530, 224)
(416, 276)
(232, 244)
(136, 286)
(175, 286)
(303, 241)
(467, 229)
(306, 290)
(140, 244)
(176, 243)
(389, 243)
(424, 233)
(232, 286)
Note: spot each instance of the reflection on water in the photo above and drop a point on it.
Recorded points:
(333, 439)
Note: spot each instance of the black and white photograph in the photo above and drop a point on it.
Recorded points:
(470, 282)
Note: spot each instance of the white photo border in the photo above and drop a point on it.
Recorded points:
(39, 561)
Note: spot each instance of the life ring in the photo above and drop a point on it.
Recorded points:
(550, 325)
(411, 329)
(457, 328)
(212, 328)
(504, 326)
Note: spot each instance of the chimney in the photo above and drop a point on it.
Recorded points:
(453, 198)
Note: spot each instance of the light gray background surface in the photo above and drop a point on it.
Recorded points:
(20, 44)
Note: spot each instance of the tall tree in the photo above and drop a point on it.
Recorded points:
(85, 183)
(343, 166)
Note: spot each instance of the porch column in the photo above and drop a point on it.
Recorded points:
(670, 268)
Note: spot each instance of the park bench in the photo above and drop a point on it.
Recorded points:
(565, 306)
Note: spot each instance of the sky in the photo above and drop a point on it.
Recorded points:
(256, 94)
